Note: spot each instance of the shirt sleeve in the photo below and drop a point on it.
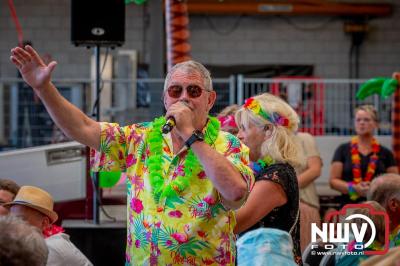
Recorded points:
(281, 174)
(310, 146)
(389, 159)
(339, 154)
(238, 154)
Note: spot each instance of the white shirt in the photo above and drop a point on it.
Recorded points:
(62, 252)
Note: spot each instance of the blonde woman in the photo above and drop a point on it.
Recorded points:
(357, 162)
(267, 126)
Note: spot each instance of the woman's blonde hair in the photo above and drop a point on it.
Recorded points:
(282, 146)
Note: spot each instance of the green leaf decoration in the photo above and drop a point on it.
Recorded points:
(372, 86)
(389, 87)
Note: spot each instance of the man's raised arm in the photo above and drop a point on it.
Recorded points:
(72, 121)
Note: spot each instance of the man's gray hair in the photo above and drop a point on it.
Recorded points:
(191, 66)
(384, 188)
(21, 243)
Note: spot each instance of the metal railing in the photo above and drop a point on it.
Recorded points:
(325, 106)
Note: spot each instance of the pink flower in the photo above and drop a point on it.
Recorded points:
(137, 243)
(201, 175)
(130, 160)
(210, 200)
(176, 214)
(168, 243)
(137, 205)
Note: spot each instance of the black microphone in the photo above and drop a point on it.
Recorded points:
(169, 125)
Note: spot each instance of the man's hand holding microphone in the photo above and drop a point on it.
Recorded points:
(181, 116)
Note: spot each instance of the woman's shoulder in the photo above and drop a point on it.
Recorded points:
(385, 149)
(282, 171)
(344, 145)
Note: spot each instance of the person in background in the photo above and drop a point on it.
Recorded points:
(306, 175)
(391, 258)
(21, 243)
(183, 185)
(356, 163)
(227, 119)
(8, 190)
(385, 190)
(267, 126)
(343, 259)
(309, 201)
(35, 206)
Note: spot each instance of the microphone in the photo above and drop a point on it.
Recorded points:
(169, 125)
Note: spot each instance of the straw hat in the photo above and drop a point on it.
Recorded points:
(35, 198)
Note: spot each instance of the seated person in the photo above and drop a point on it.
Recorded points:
(386, 191)
(378, 243)
(35, 206)
(21, 243)
(8, 190)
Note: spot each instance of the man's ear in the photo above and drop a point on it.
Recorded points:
(45, 222)
(393, 205)
(211, 99)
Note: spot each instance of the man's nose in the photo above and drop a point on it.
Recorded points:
(184, 94)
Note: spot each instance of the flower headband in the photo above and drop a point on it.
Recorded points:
(254, 106)
(228, 120)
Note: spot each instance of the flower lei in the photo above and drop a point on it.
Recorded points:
(275, 118)
(191, 164)
(356, 164)
(261, 164)
(52, 230)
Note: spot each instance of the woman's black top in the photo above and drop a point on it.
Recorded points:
(283, 217)
(343, 155)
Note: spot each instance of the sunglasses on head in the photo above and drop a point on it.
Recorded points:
(193, 91)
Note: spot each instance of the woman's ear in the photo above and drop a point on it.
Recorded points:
(269, 130)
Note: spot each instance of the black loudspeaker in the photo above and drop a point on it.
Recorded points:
(98, 22)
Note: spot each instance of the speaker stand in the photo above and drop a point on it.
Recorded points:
(96, 182)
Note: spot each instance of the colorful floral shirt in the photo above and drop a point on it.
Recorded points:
(395, 237)
(193, 228)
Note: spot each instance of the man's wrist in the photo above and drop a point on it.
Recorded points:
(196, 136)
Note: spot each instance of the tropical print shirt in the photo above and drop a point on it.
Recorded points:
(193, 228)
(394, 237)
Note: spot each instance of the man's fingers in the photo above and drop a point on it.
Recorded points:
(52, 65)
(17, 56)
(34, 54)
(16, 62)
(24, 56)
